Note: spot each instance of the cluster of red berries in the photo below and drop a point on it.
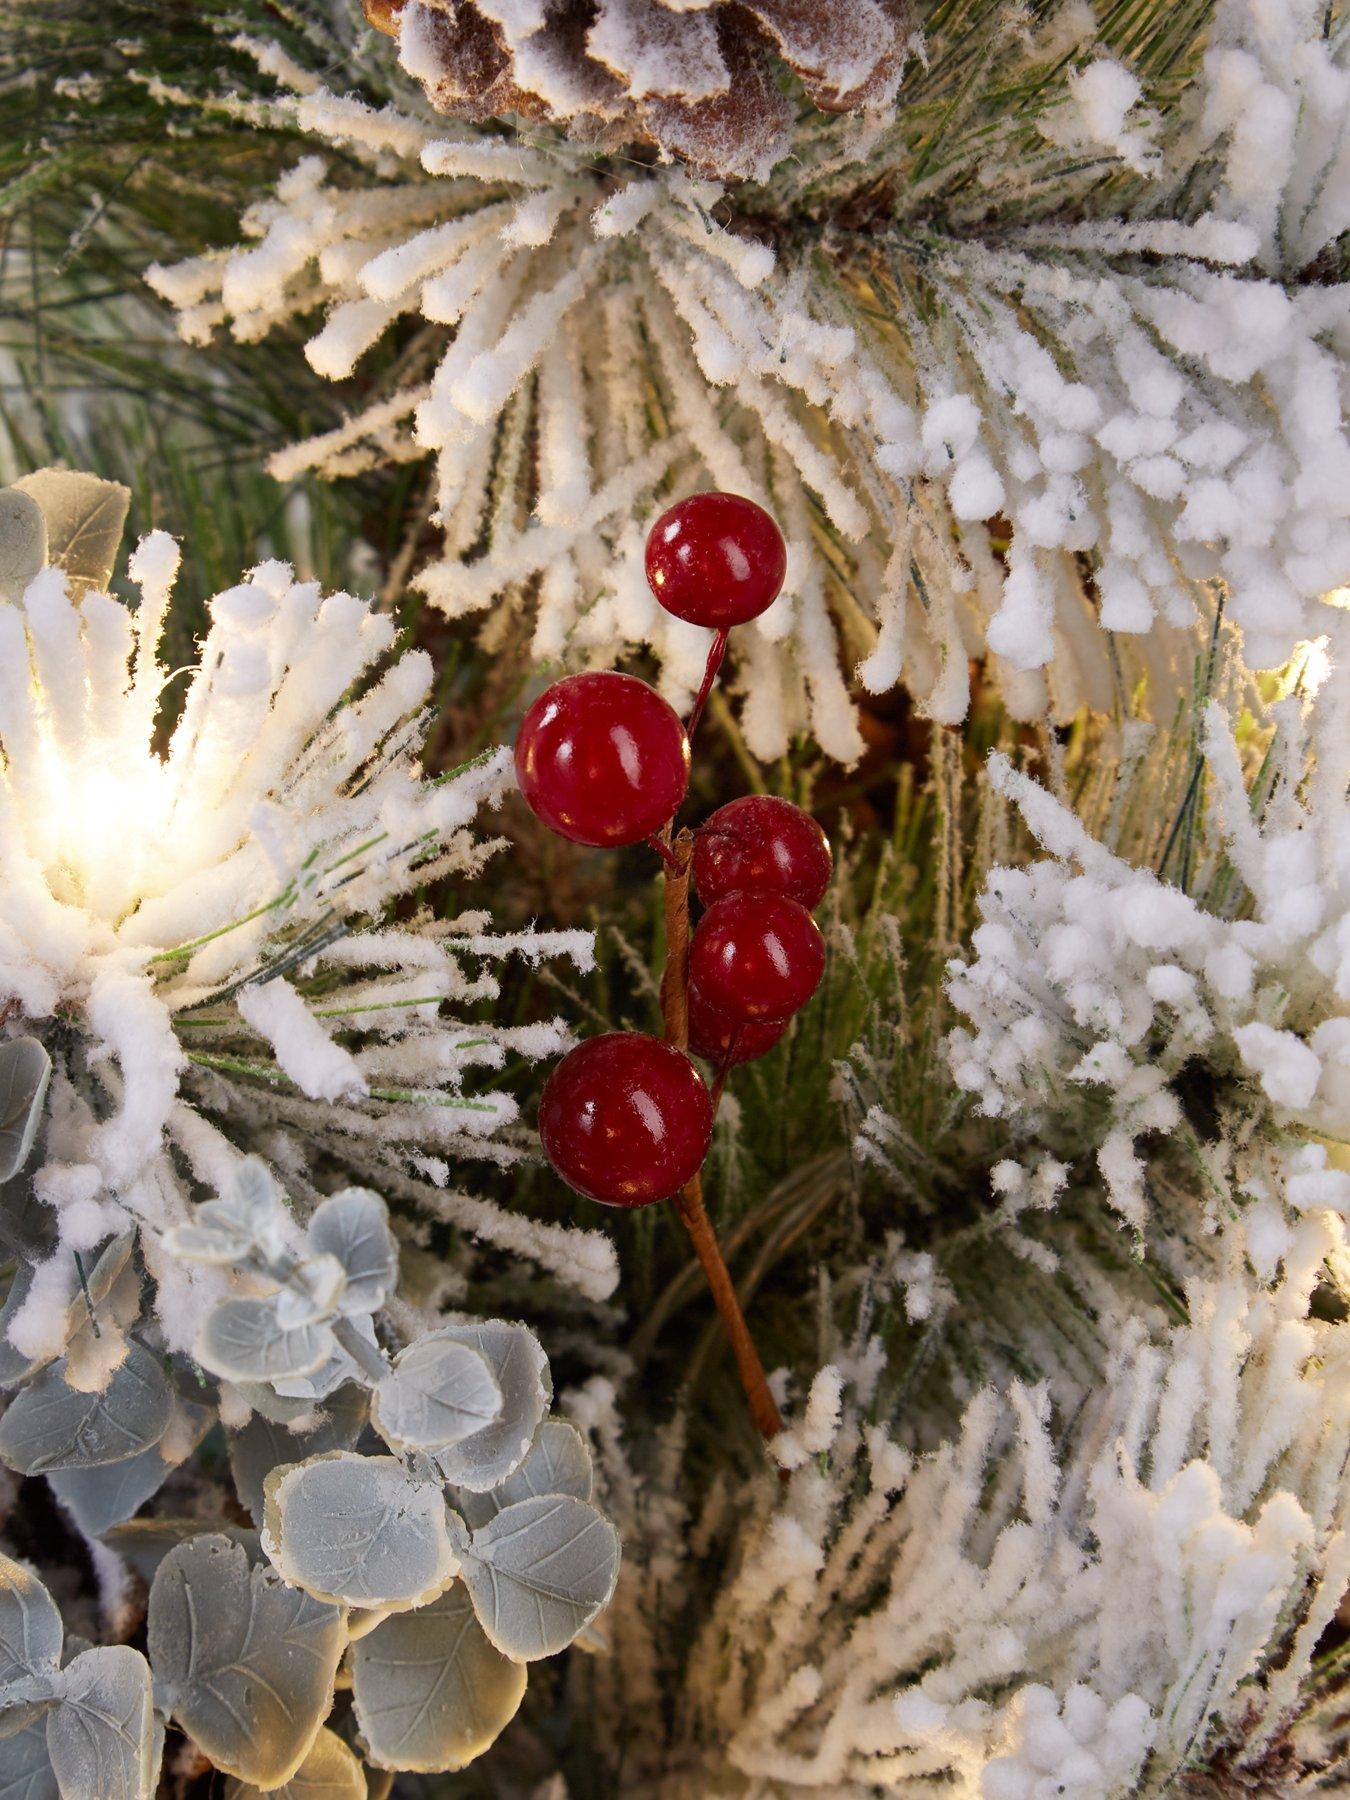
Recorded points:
(604, 760)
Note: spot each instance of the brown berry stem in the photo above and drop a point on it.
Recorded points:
(660, 842)
(689, 1203)
(715, 655)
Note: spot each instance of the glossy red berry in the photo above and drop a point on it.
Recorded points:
(756, 956)
(760, 842)
(602, 759)
(725, 1043)
(625, 1119)
(716, 559)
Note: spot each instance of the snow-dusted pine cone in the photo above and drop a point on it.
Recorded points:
(695, 78)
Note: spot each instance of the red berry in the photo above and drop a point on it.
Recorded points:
(625, 1119)
(756, 956)
(716, 559)
(602, 759)
(725, 1043)
(762, 843)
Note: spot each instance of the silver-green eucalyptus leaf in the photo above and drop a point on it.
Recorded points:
(520, 1368)
(26, 1771)
(247, 1664)
(96, 1321)
(324, 1381)
(99, 1498)
(30, 1625)
(312, 1292)
(25, 1071)
(49, 1425)
(220, 1233)
(431, 1693)
(28, 1702)
(539, 1572)
(255, 1190)
(354, 1227)
(263, 1444)
(15, 1366)
(109, 1267)
(282, 1409)
(100, 1315)
(243, 1340)
(329, 1772)
(359, 1531)
(144, 1543)
(558, 1463)
(23, 543)
(84, 516)
(436, 1393)
(101, 1737)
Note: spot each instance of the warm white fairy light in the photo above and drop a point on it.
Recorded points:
(164, 913)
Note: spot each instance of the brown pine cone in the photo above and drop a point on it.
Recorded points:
(693, 78)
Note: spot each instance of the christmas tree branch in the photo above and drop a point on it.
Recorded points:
(689, 1202)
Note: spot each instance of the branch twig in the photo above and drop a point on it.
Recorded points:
(689, 1203)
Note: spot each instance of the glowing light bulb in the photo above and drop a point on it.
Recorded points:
(1308, 668)
(104, 828)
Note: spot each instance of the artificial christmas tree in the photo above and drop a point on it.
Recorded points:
(1026, 324)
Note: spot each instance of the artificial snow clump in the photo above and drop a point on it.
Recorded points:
(1052, 447)
(1080, 1598)
(1105, 1011)
(201, 939)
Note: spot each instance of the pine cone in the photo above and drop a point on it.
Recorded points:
(693, 78)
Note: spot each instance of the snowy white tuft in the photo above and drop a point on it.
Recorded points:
(203, 934)
(1055, 443)
(1106, 1010)
(1084, 1602)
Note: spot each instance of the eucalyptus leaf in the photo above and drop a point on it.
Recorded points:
(101, 1738)
(109, 1265)
(312, 1292)
(281, 1408)
(85, 516)
(264, 1444)
(359, 1531)
(26, 1771)
(354, 1227)
(144, 1543)
(339, 1369)
(247, 1664)
(30, 1625)
(430, 1691)
(25, 1070)
(14, 1365)
(329, 1772)
(539, 1572)
(48, 1425)
(99, 1498)
(100, 1315)
(28, 1702)
(520, 1368)
(558, 1463)
(436, 1393)
(257, 1200)
(255, 1191)
(23, 542)
(243, 1340)
(342, 1366)
(220, 1233)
